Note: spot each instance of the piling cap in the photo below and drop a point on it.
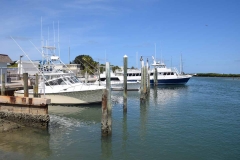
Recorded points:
(125, 55)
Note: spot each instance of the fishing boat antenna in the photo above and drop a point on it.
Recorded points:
(181, 65)
(58, 42)
(155, 51)
(137, 59)
(53, 36)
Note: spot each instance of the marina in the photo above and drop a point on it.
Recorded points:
(120, 80)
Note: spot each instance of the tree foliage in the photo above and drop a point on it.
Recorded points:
(87, 64)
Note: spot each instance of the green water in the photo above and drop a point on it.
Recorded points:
(200, 120)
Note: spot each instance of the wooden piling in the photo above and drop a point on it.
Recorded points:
(155, 77)
(107, 105)
(25, 83)
(148, 77)
(145, 80)
(35, 89)
(125, 61)
(104, 126)
(142, 95)
(3, 85)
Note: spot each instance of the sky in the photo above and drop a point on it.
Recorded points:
(205, 33)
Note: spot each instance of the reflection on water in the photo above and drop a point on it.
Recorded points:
(167, 94)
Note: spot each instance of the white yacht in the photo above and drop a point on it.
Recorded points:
(165, 75)
(117, 82)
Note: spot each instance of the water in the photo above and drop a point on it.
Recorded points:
(200, 120)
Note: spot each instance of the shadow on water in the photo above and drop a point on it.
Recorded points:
(25, 143)
(83, 113)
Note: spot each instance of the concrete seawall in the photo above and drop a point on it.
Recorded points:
(25, 111)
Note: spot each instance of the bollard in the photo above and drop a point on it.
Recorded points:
(125, 61)
(25, 82)
(35, 90)
(3, 85)
(155, 77)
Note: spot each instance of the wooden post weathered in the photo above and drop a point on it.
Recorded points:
(3, 85)
(148, 78)
(155, 77)
(104, 122)
(145, 80)
(107, 105)
(35, 90)
(125, 61)
(142, 96)
(25, 82)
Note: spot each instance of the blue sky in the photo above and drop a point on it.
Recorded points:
(205, 32)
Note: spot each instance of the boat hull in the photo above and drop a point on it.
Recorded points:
(71, 98)
(176, 81)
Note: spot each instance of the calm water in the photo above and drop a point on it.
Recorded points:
(200, 120)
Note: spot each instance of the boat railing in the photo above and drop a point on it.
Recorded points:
(174, 69)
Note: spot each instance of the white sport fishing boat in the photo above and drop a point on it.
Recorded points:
(165, 75)
(65, 88)
(62, 87)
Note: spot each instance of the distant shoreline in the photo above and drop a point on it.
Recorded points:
(217, 75)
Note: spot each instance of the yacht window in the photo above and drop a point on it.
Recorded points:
(130, 74)
(75, 79)
(151, 74)
(114, 79)
(70, 80)
(164, 73)
(59, 81)
(172, 73)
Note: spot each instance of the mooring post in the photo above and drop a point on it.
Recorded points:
(145, 80)
(142, 96)
(107, 105)
(125, 61)
(155, 77)
(3, 84)
(36, 86)
(25, 82)
(148, 78)
(104, 114)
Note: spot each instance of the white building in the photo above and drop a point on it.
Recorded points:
(30, 67)
(4, 60)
